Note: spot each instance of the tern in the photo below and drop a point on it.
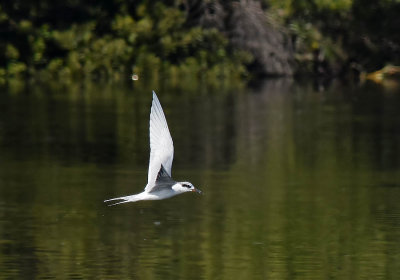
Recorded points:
(160, 184)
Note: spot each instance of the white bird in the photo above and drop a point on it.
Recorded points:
(160, 185)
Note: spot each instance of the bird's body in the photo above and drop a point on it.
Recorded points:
(160, 184)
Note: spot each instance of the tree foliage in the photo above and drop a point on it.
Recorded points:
(344, 32)
(202, 38)
(82, 39)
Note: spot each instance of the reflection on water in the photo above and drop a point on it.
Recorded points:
(298, 184)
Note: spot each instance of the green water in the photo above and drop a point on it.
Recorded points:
(298, 184)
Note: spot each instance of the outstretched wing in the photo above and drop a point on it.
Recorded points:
(161, 145)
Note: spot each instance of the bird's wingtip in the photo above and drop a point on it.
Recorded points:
(155, 98)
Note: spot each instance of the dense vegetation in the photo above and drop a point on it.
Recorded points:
(220, 39)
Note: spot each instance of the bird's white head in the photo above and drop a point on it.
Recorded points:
(182, 187)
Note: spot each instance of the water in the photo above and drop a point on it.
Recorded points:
(298, 184)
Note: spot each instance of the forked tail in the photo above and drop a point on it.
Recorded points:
(123, 199)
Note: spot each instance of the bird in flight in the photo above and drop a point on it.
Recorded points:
(160, 184)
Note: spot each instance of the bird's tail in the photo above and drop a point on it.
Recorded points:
(123, 199)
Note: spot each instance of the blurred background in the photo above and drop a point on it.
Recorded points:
(209, 39)
(284, 113)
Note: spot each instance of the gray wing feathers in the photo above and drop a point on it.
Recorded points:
(163, 181)
(161, 145)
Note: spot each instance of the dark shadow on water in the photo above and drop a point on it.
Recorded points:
(298, 183)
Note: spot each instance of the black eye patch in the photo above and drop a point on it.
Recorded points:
(186, 186)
